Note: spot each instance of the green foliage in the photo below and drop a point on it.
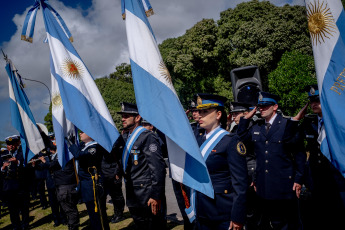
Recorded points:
(49, 119)
(258, 33)
(114, 92)
(253, 33)
(191, 60)
(122, 72)
(294, 72)
(3, 144)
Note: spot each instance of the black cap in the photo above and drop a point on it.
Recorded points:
(239, 107)
(3, 151)
(313, 92)
(128, 108)
(265, 98)
(206, 101)
(12, 139)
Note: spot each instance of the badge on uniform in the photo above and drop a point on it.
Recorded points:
(92, 151)
(135, 156)
(256, 133)
(153, 148)
(241, 148)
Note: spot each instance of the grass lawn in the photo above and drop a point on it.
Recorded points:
(42, 219)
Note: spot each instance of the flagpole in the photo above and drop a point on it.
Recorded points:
(42, 84)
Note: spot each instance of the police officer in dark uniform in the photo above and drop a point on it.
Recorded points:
(324, 209)
(89, 156)
(144, 171)
(238, 110)
(66, 189)
(111, 169)
(14, 188)
(280, 161)
(227, 167)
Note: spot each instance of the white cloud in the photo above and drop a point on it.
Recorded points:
(100, 39)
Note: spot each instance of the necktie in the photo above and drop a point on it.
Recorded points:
(320, 124)
(268, 126)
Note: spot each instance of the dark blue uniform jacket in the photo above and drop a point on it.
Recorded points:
(228, 171)
(146, 178)
(280, 156)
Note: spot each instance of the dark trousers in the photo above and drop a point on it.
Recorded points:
(18, 203)
(114, 189)
(95, 217)
(67, 196)
(41, 191)
(279, 215)
(212, 225)
(57, 212)
(252, 209)
(145, 220)
(322, 211)
(181, 203)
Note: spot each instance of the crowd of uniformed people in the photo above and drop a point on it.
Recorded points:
(266, 169)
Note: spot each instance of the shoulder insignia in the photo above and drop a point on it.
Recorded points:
(153, 148)
(92, 151)
(241, 148)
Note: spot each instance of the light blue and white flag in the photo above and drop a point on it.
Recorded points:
(30, 19)
(82, 102)
(159, 104)
(22, 118)
(326, 21)
(146, 4)
(29, 23)
(62, 126)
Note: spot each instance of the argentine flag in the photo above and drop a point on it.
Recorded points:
(62, 126)
(326, 22)
(83, 105)
(22, 118)
(158, 102)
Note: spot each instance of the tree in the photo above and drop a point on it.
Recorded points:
(253, 33)
(259, 33)
(49, 119)
(295, 71)
(122, 72)
(191, 60)
(114, 92)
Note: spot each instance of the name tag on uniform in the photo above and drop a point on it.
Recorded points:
(256, 133)
(309, 136)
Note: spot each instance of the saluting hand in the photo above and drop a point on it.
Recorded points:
(301, 113)
(155, 205)
(297, 188)
(251, 113)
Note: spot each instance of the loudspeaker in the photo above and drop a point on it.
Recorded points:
(246, 83)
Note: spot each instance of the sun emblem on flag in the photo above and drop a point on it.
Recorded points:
(320, 22)
(56, 100)
(165, 72)
(72, 69)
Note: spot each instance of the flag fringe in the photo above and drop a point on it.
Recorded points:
(149, 12)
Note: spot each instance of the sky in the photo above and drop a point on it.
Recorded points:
(99, 37)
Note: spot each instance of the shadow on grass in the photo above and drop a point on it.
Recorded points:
(45, 220)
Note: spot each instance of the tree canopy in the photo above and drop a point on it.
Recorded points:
(253, 33)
